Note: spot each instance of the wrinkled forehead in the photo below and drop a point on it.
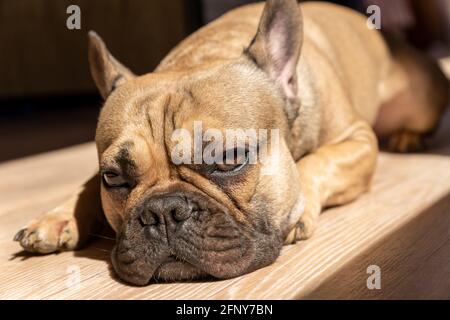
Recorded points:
(152, 107)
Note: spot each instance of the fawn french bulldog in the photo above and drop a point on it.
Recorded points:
(314, 71)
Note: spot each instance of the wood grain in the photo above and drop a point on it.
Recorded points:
(403, 189)
(402, 225)
(414, 262)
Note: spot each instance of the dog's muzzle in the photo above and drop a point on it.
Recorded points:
(185, 236)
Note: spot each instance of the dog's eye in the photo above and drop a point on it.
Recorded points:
(113, 180)
(239, 161)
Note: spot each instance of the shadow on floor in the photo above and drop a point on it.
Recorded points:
(413, 262)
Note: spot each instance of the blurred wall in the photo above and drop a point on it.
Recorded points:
(212, 9)
(40, 56)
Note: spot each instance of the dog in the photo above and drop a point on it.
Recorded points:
(315, 72)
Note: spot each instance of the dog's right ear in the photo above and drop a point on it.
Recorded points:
(108, 73)
(277, 44)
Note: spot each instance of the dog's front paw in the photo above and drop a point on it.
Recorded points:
(51, 232)
(303, 230)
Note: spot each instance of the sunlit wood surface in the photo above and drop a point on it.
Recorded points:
(402, 226)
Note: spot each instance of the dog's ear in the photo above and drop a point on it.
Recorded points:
(277, 44)
(108, 73)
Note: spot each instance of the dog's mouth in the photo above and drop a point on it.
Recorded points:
(209, 243)
(177, 269)
(170, 269)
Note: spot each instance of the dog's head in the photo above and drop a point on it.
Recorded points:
(180, 207)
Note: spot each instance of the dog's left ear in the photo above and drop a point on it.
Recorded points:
(277, 44)
(108, 73)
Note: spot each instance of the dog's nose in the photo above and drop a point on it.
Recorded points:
(170, 208)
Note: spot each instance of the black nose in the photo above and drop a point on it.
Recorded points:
(170, 208)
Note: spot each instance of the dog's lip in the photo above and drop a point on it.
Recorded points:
(176, 269)
(173, 257)
(173, 260)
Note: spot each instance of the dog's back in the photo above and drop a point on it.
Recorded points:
(373, 73)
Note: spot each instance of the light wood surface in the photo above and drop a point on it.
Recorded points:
(334, 261)
(402, 225)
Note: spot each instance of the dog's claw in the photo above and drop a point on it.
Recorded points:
(20, 234)
(50, 233)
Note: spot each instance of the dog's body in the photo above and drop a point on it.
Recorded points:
(325, 102)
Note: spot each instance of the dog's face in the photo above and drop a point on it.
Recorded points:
(187, 219)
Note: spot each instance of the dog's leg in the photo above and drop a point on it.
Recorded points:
(335, 174)
(67, 226)
(420, 94)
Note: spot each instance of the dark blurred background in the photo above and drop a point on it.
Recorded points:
(47, 98)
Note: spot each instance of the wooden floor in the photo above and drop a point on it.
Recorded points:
(402, 226)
